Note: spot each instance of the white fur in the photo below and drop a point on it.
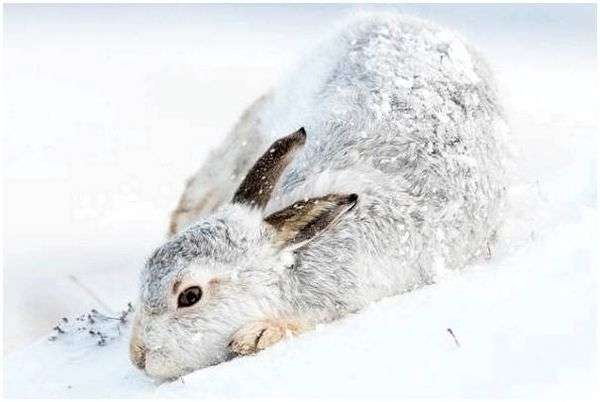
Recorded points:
(396, 110)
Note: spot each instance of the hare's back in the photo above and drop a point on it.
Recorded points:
(392, 93)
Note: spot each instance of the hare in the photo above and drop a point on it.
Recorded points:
(396, 176)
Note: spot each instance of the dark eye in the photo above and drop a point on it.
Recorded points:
(189, 297)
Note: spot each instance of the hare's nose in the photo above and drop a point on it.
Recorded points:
(138, 355)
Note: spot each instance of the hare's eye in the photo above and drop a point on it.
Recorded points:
(189, 297)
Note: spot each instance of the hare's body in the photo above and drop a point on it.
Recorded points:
(398, 112)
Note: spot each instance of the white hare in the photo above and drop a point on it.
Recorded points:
(397, 175)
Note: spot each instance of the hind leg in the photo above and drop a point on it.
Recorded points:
(215, 183)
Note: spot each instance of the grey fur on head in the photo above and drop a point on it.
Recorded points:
(399, 179)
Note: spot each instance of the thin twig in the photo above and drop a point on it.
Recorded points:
(90, 293)
(453, 337)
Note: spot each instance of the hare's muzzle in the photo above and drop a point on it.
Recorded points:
(137, 347)
(137, 352)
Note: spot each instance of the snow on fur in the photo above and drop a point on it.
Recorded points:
(397, 111)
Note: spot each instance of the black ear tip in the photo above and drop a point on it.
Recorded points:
(353, 197)
(299, 136)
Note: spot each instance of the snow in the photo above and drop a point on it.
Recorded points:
(403, 341)
(105, 122)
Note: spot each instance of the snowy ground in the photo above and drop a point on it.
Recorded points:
(109, 109)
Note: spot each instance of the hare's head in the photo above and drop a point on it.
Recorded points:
(228, 269)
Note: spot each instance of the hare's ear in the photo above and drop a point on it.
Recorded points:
(302, 221)
(258, 185)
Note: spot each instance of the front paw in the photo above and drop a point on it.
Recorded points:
(259, 335)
